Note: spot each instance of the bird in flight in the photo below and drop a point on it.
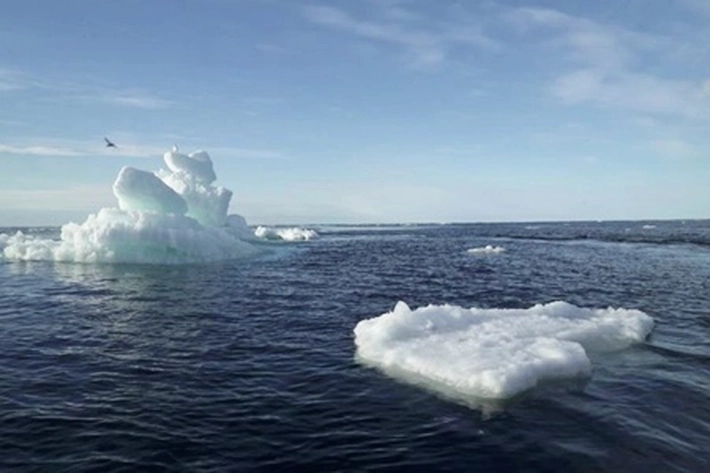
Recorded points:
(109, 144)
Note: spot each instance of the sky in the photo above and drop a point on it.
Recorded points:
(363, 111)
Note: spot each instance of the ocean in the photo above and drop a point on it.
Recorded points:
(250, 364)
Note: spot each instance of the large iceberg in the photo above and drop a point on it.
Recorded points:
(494, 353)
(172, 216)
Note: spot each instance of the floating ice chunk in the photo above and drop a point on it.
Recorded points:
(287, 234)
(119, 236)
(494, 353)
(197, 164)
(143, 191)
(488, 249)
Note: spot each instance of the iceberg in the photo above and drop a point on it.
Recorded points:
(169, 217)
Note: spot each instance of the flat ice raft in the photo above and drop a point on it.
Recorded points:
(494, 353)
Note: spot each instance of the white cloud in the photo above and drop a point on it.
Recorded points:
(39, 150)
(674, 148)
(608, 66)
(131, 98)
(12, 122)
(269, 48)
(426, 48)
(641, 93)
(585, 41)
(15, 80)
(85, 198)
(94, 148)
(129, 145)
(397, 200)
(423, 46)
(702, 6)
(246, 153)
(11, 80)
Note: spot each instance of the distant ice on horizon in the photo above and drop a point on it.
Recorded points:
(172, 216)
(494, 353)
(285, 234)
(488, 249)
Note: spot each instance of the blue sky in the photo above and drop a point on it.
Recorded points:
(363, 111)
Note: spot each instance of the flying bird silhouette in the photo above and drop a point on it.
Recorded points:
(109, 144)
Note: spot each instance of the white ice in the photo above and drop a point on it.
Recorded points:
(488, 249)
(494, 353)
(286, 234)
(191, 176)
(115, 236)
(197, 165)
(172, 216)
(143, 191)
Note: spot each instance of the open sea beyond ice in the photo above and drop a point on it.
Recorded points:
(252, 364)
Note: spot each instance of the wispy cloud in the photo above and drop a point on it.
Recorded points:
(607, 66)
(702, 6)
(39, 150)
(269, 48)
(636, 92)
(78, 149)
(586, 42)
(6, 122)
(130, 98)
(247, 153)
(427, 48)
(12, 80)
(674, 148)
(84, 197)
(129, 146)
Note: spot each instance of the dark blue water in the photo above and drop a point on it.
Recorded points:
(249, 366)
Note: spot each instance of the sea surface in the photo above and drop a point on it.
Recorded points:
(250, 365)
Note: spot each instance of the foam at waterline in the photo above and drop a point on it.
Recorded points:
(494, 353)
(488, 249)
(120, 236)
(170, 217)
(287, 234)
